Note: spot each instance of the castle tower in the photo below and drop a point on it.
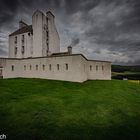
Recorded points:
(45, 37)
(37, 40)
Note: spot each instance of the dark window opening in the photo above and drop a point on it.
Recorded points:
(66, 66)
(15, 50)
(30, 67)
(47, 20)
(96, 67)
(12, 67)
(50, 67)
(22, 50)
(36, 67)
(102, 67)
(47, 34)
(24, 67)
(43, 67)
(15, 39)
(57, 66)
(90, 68)
(22, 38)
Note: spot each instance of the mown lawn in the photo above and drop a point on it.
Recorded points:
(35, 109)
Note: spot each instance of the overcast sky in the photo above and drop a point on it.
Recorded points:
(100, 29)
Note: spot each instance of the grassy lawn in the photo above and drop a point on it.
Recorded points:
(35, 109)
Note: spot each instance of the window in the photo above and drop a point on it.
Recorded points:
(22, 50)
(28, 34)
(47, 34)
(15, 39)
(47, 20)
(43, 67)
(12, 67)
(36, 67)
(66, 66)
(36, 17)
(15, 50)
(22, 39)
(96, 67)
(50, 67)
(102, 67)
(24, 67)
(30, 67)
(90, 68)
(57, 66)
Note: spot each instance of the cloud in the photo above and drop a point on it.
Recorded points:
(100, 29)
(74, 42)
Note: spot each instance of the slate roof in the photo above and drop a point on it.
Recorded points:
(61, 53)
(25, 29)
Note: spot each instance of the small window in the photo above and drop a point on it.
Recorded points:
(66, 66)
(15, 39)
(47, 20)
(36, 67)
(50, 67)
(102, 67)
(36, 16)
(22, 50)
(47, 34)
(22, 38)
(29, 34)
(12, 67)
(30, 67)
(57, 66)
(90, 68)
(43, 67)
(15, 50)
(24, 67)
(96, 67)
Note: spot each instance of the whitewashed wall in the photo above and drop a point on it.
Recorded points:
(103, 72)
(78, 68)
(28, 44)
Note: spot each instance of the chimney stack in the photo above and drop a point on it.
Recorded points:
(69, 50)
(22, 24)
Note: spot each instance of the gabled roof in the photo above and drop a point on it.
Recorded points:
(49, 12)
(24, 29)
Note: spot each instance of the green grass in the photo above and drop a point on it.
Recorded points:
(35, 109)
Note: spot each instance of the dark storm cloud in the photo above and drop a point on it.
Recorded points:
(7, 10)
(74, 42)
(101, 29)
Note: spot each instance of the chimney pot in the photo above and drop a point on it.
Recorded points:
(69, 50)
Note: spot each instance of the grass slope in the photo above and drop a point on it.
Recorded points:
(35, 109)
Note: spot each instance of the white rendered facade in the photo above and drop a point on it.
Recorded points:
(41, 58)
(36, 40)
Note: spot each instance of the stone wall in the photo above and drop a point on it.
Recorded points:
(74, 68)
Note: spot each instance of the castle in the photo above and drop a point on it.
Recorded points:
(34, 52)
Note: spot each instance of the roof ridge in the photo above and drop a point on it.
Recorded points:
(24, 29)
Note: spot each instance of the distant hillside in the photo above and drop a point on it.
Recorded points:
(129, 72)
(119, 68)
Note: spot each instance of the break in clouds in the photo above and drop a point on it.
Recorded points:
(100, 29)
